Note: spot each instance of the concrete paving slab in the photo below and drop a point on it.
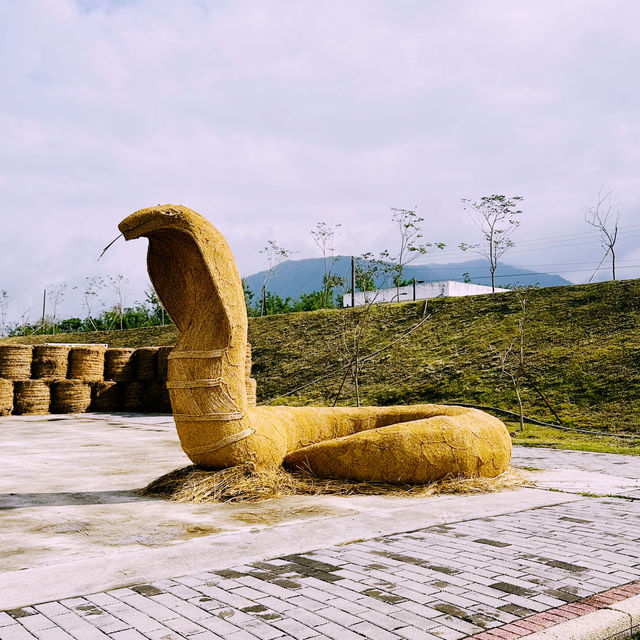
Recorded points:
(581, 472)
(620, 466)
(586, 482)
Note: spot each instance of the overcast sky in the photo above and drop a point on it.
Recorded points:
(267, 117)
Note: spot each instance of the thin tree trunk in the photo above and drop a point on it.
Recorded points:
(516, 384)
(613, 263)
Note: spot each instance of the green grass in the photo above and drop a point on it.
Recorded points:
(583, 352)
(535, 436)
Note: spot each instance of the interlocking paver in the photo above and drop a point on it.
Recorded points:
(444, 581)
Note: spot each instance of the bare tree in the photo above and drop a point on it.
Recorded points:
(409, 226)
(512, 360)
(323, 236)
(24, 314)
(497, 218)
(120, 286)
(56, 296)
(354, 327)
(275, 255)
(604, 217)
(90, 296)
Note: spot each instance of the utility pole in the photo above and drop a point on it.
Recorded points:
(353, 281)
(44, 306)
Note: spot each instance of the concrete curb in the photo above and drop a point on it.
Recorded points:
(597, 625)
(609, 615)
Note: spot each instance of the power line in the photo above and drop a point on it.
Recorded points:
(587, 265)
(547, 245)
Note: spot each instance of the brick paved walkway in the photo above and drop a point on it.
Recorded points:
(443, 582)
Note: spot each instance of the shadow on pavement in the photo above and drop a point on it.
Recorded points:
(64, 498)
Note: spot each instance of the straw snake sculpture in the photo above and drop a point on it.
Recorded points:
(195, 276)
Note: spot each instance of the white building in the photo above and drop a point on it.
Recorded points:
(419, 291)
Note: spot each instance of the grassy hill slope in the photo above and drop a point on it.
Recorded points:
(583, 350)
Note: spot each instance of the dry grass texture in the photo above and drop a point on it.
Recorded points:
(6, 397)
(246, 483)
(105, 396)
(70, 396)
(50, 361)
(31, 397)
(15, 361)
(87, 363)
(119, 364)
(146, 363)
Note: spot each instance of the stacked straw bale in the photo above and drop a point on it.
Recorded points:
(31, 397)
(106, 396)
(6, 397)
(162, 364)
(50, 361)
(252, 392)
(146, 363)
(250, 383)
(87, 362)
(157, 398)
(70, 396)
(248, 362)
(119, 364)
(15, 361)
(133, 394)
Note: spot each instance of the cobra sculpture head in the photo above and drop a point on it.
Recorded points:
(192, 268)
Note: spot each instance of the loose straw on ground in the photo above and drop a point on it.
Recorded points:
(246, 483)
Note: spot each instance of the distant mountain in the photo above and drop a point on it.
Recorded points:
(294, 277)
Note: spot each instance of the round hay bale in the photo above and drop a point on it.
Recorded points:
(15, 361)
(6, 397)
(87, 362)
(247, 361)
(162, 363)
(157, 397)
(146, 363)
(70, 396)
(252, 392)
(105, 396)
(50, 361)
(133, 396)
(119, 364)
(31, 397)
